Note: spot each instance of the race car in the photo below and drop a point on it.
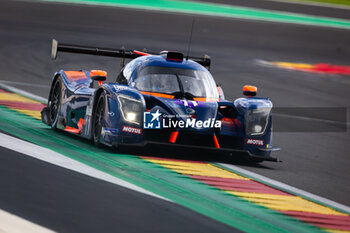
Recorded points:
(158, 98)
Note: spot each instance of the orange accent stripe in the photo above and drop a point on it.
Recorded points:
(71, 130)
(200, 99)
(141, 53)
(219, 90)
(204, 99)
(216, 142)
(73, 75)
(81, 123)
(173, 136)
(74, 130)
(157, 94)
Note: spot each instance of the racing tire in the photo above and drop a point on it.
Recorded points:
(54, 103)
(98, 118)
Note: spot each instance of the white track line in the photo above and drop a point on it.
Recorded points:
(10, 223)
(287, 187)
(60, 160)
(23, 93)
(25, 84)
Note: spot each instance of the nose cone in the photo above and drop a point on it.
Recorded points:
(189, 109)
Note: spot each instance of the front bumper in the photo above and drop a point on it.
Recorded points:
(243, 153)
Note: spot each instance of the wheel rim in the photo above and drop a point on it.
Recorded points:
(98, 118)
(55, 101)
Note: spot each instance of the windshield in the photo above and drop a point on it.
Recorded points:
(182, 83)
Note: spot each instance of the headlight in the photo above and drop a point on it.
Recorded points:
(131, 116)
(131, 109)
(256, 121)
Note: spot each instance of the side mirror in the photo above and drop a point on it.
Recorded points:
(250, 90)
(98, 75)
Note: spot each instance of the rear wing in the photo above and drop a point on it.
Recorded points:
(121, 53)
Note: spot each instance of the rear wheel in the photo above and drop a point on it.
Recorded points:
(55, 103)
(98, 118)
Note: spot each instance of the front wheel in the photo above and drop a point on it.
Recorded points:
(98, 118)
(55, 103)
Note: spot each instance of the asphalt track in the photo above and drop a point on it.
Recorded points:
(66, 201)
(315, 162)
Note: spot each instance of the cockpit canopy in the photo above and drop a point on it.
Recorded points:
(179, 82)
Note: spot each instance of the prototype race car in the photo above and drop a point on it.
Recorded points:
(159, 99)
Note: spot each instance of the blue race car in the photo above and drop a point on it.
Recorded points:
(161, 99)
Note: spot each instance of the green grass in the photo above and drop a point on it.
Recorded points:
(337, 2)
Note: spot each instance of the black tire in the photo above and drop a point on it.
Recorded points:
(98, 118)
(55, 102)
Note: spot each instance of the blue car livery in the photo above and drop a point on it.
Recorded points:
(159, 98)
